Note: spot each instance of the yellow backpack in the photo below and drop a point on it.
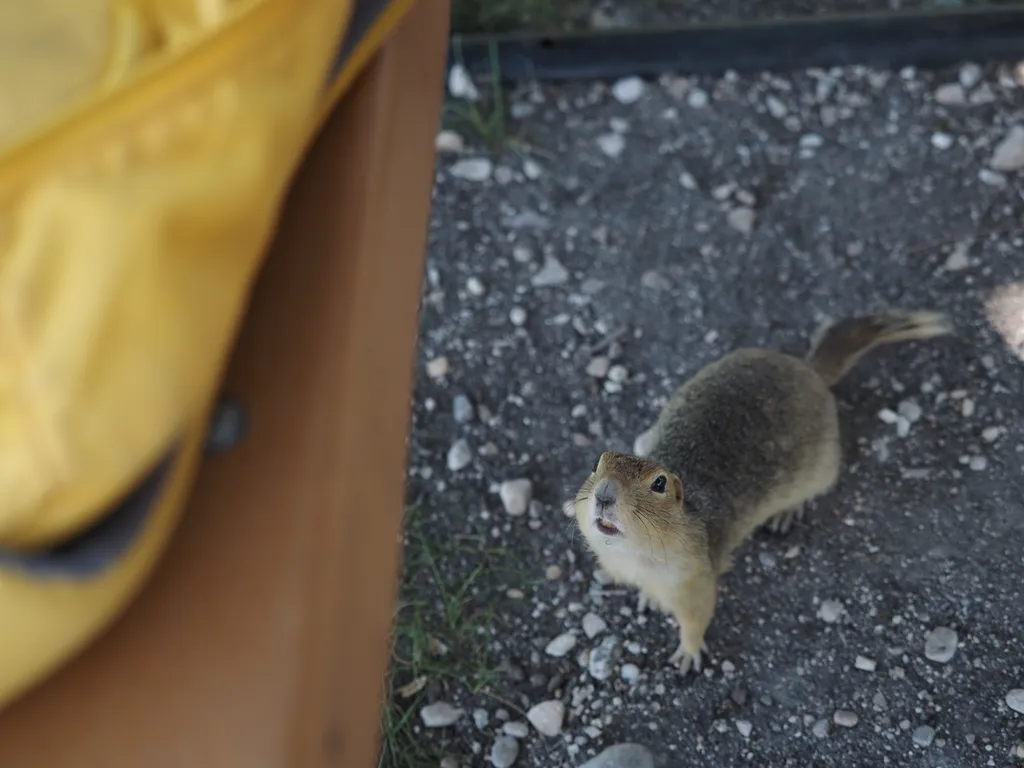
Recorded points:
(145, 149)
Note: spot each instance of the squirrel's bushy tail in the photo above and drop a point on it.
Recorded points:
(838, 346)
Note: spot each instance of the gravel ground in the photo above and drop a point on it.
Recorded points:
(631, 234)
(469, 16)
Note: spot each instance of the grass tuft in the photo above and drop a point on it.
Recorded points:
(440, 637)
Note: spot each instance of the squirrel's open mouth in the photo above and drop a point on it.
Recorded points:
(608, 529)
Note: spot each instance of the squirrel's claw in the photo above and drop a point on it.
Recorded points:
(686, 660)
(783, 521)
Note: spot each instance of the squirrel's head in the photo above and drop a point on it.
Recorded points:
(628, 502)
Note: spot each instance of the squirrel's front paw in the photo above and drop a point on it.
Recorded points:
(687, 660)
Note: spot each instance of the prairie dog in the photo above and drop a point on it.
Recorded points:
(744, 443)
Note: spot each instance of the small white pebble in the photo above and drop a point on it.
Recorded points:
(888, 416)
(865, 664)
(630, 673)
(941, 140)
(593, 625)
(845, 718)
(830, 611)
(472, 169)
(475, 286)
(990, 434)
(448, 141)
(618, 374)
(923, 735)
(522, 254)
(687, 181)
(967, 408)
(992, 178)
(978, 463)
(910, 410)
(628, 90)
(438, 367)
(517, 316)
(516, 728)
(776, 107)
(599, 367)
(697, 98)
(461, 85)
(547, 717)
(561, 645)
(1015, 700)
(440, 714)
(531, 169)
(940, 645)
(611, 144)
(460, 455)
(745, 727)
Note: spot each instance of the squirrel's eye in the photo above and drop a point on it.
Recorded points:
(658, 486)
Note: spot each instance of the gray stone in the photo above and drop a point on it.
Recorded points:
(504, 752)
(551, 274)
(516, 496)
(622, 756)
(440, 714)
(940, 645)
(970, 75)
(561, 645)
(602, 658)
(516, 728)
(742, 219)
(611, 144)
(845, 718)
(1015, 700)
(474, 169)
(923, 735)
(593, 625)
(462, 409)
(950, 95)
(1009, 153)
(547, 717)
(628, 90)
(459, 455)
(598, 367)
(830, 611)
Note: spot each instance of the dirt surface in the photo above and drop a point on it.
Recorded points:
(860, 191)
(473, 16)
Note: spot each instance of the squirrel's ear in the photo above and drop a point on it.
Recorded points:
(677, 486)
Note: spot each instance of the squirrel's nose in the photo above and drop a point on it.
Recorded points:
(605, 493)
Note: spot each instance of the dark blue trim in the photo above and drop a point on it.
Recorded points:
(96, 549)
(364, 16)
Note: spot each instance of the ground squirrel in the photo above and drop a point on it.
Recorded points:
(744, 443)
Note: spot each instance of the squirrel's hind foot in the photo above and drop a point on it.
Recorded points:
(687, 660)
(782, 522)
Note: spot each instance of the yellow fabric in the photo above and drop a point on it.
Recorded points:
(145, 147)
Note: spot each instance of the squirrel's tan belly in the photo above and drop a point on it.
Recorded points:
(654, 576)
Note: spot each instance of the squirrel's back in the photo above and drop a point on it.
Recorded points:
(757, 430)
(750, 429)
